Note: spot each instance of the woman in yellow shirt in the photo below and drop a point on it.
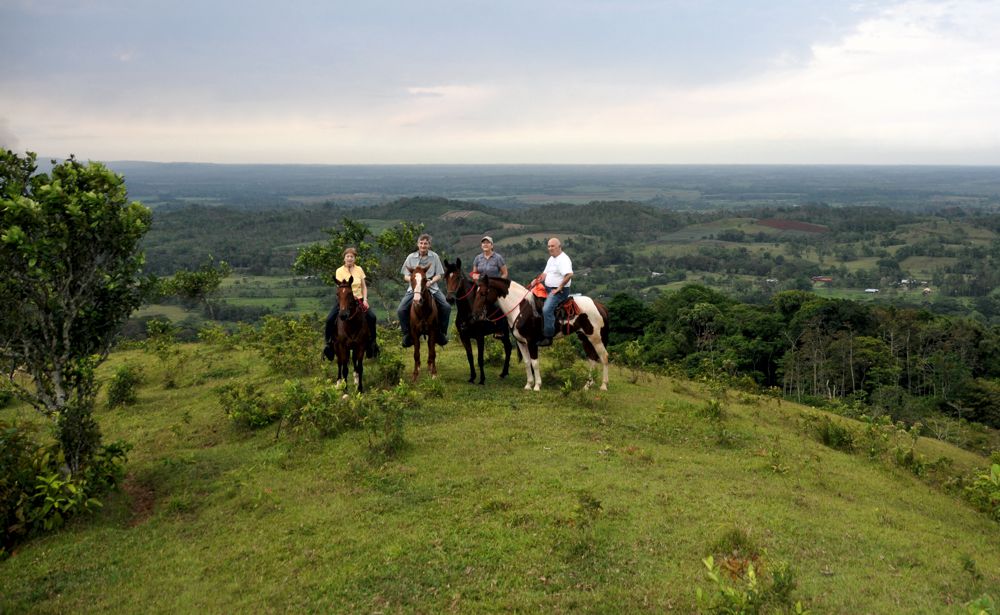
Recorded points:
(351, 270)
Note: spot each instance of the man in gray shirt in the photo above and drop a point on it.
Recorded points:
(424, 257)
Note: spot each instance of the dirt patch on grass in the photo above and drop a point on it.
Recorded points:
(141, 498)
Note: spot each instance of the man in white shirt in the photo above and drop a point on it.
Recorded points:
(558, 272)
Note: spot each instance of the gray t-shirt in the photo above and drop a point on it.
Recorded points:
(489, 266)
(431, 261)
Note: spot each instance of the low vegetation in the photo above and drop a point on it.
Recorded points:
(661, 494)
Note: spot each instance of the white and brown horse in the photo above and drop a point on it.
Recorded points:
(423, 320)
(517, 304)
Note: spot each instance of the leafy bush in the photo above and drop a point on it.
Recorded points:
(291, 345)
(833, 434)
(122, 387)
(750, 590)
(329, 411)
(35, 495)
(216, 335)
(984, 492)
(6, 397)
(388, 372)
(983, 605)
(385, 414)
(245, 404)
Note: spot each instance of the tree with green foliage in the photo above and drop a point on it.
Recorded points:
(69, 250)
(199, 286)
(380, 256)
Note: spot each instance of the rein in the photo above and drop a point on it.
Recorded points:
(516, 305)
(472, 287)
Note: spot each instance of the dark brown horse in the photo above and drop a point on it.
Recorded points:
(589, 321)
(461, 291)
(351, 337)
(423, 319)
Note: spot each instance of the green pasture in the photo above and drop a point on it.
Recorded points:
(926, 266)
(503, 500)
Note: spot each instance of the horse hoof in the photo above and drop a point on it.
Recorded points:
(538, 387)
(604, 387)
(344, 396)
(527, 387)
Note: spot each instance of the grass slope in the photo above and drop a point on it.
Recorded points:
(504, 500)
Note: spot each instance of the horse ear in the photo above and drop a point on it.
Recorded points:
(336, 281)
(350, 280)
(458, 264)
(410, 269)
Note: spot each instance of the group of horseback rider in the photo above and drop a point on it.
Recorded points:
(555, 279)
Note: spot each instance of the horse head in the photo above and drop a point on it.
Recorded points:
(345, 297)
(418, 283)
(453, 278)
(488, 291)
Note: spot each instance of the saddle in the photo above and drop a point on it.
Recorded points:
(564, 311)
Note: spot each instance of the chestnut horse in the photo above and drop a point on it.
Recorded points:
(351, 337)
(517, 304)
(461, 291)
(423, 319)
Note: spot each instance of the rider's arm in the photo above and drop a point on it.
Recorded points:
(564, 280)
(503, 272)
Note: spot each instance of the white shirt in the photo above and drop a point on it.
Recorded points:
(556, 269)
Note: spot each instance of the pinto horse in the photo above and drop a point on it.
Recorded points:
(351, 336)
(423, 319)
(461, 291)
(517, 304)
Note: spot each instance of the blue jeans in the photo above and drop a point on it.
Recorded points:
(444, 312)
(549, 309)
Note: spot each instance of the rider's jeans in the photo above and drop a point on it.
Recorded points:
(549, 309)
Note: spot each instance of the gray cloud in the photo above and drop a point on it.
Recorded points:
(8, 139)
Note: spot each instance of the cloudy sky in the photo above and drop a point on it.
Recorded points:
(514, 81)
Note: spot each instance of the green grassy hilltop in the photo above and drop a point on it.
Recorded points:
(503, 500)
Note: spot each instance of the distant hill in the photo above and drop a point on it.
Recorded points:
(515, 186)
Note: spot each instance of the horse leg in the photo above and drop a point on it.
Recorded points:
(431, 355)
(416, 357)
(342, 359)
(359, 368)
(601, 353)
(523, 349)
(467, 342)
(480, 342)
(536, 366)
(507, 346)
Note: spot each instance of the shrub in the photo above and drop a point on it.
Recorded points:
(984, 492)
(35, 495)
(385, 416)
(245, 404)
(291, 345)
(834, 435)
(216, 335)
(389, 369)
(122, 387)
(751, 590)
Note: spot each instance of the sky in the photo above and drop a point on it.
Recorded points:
(516, 81)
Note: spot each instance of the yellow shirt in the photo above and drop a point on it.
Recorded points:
(359, 275)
